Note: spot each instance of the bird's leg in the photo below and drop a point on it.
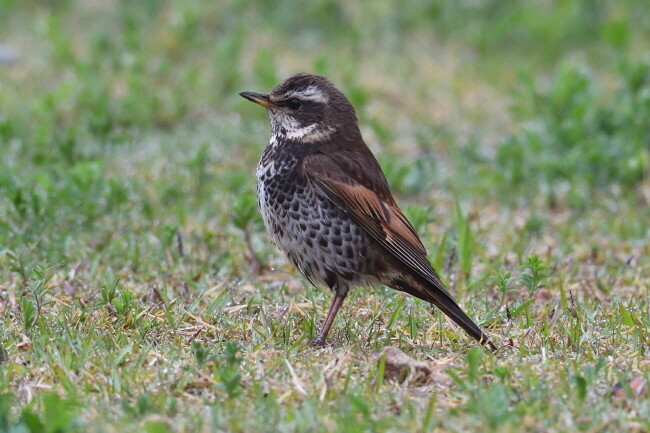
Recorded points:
(334, 308)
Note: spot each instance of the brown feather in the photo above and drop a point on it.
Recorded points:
(348, 189)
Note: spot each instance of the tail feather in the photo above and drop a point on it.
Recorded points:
(454, 312)
(440, 298)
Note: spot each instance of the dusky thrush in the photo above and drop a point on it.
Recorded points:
(326, 203)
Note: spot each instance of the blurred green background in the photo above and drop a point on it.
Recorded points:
(516, 135)
(127, 114)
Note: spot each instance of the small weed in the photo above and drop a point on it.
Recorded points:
(228, 370)
(464, 243)
(58, 415)
(534, 274)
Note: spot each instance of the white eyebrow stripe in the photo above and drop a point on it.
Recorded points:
(311, 93)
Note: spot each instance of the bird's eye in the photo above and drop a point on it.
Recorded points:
(294, 103)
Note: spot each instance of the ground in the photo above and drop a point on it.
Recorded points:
(139, 292)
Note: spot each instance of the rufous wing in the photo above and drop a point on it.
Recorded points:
(372, 206)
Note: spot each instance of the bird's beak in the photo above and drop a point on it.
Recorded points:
(258, 98)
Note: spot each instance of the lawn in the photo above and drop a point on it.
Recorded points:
(138, 289)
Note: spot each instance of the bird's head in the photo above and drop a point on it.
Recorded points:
(306, 108)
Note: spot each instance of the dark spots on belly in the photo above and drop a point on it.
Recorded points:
(303, 227)
(289, 188)
(349, 253)
(309, 242)
(337, 241)
(322, 242)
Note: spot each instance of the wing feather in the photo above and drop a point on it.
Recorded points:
(370, 203)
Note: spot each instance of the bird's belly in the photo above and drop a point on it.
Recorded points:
(318, 238)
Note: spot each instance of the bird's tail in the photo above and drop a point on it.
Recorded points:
(438, 296)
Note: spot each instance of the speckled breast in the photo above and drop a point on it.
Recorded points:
(318, 238)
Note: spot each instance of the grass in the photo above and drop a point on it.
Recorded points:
(130, 242)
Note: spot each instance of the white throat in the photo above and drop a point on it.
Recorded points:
(286, 127)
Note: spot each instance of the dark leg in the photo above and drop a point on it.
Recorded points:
(334, 308)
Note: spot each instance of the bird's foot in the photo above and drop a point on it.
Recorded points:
(318, 342)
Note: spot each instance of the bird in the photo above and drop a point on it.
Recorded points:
(326, 203)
